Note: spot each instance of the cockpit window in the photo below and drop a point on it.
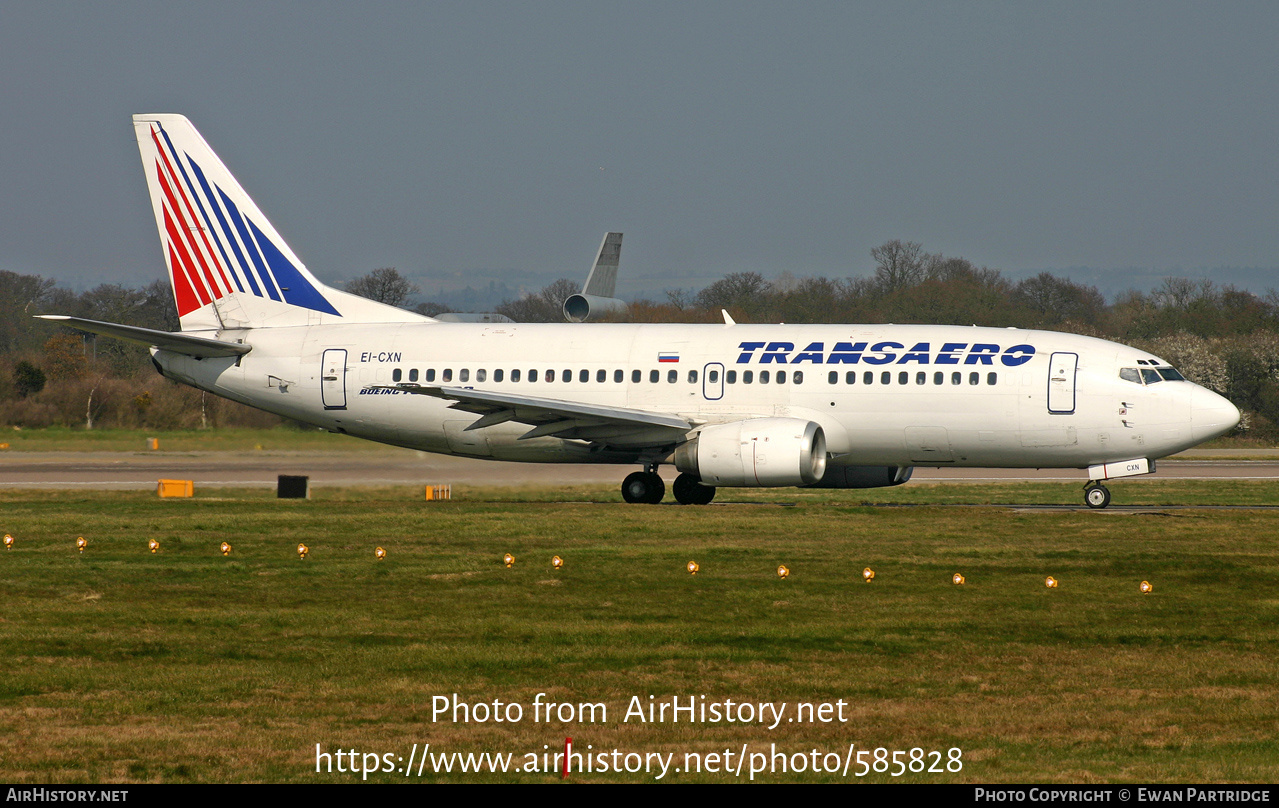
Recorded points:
(1150, 375)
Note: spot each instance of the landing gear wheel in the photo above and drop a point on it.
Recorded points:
(1097, 496)
(643, 486)
(690, 491)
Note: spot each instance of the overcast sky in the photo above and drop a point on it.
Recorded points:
(478, 139)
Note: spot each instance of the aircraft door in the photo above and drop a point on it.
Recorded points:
(333, 379)
(1061, 383)
(713, 381)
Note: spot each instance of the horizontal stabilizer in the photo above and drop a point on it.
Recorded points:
(199, 347)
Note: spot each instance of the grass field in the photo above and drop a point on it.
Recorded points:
(122, 666)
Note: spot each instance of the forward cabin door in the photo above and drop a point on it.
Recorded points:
(333, 379)
(1061, 383)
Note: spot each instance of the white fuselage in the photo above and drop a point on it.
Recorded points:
(891, 395)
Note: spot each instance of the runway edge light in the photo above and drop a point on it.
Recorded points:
(868, 574)
(8, 542)
(783, 571)
(1146, 587)
(379, 553)
(1050, 582)
(957, 579)
(225, 548)
(508, 560)
(557, 562)
(81, 543)
(693, 567)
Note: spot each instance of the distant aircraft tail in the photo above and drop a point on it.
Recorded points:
(228, 265)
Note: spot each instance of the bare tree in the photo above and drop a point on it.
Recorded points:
(385, 285)
(545, 306)
(899, 264)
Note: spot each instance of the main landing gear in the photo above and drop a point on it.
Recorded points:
(690, 491)
(1096, 495)
(646, 487)
(643, 486)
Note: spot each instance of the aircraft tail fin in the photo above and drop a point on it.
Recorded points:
(602, 282)
(228, 265)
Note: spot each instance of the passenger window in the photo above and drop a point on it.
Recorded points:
(672, 376)
(635, 377)
(832, 377)
(956, 377)
(747, 376)
(921, 377)
(781, 377)
(515, 375)
(447, 375)
(396, 375)
(618, 376)
(974, 378)
(886, 378)
(731, 377)
(939, 377)
(763, 377)
(566, 376)
(903, 377)
(601, 375)
(430, 374)
(413, 375)
(481, 375)
(992, 378)
(692, 376)
(798, 378)
(464, 375)
(713, 376)
(654, 376)
(532, 375)
(868, 377)
(850, 377)
(550, 375)
(497, 375)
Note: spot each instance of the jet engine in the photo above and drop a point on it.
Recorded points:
(581, 307)
(756, 452)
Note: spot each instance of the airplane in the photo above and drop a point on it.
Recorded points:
(731, 405)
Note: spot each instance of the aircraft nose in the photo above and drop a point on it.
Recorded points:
(1211, 415)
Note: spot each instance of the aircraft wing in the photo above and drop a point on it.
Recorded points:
(611, 426)
(199, 347)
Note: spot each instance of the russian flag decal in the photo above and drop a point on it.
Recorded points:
(668, 356)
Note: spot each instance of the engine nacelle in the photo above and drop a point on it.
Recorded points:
(757, 452)
(579, 308)
(863, 476)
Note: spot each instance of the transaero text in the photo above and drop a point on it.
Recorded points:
(884, 353)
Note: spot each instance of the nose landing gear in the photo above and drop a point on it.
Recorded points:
(1096, 495)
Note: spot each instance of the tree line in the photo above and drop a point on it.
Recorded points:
(1224, 338)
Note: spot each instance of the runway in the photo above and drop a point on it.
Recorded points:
(141, 470)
